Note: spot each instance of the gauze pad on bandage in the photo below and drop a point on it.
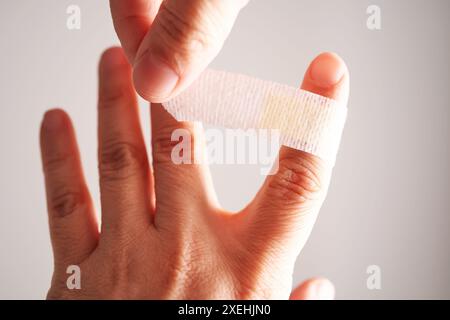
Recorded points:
(306, 121)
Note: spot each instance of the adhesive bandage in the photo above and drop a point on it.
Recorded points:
(306, 121)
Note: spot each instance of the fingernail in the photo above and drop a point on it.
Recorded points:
(327, 70)
(52, 121)
(154, 79)
(324, 290)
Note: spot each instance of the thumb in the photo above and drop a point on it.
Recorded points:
(314, 289)
(183, 39)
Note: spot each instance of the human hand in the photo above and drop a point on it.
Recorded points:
(170, 42)
(163, 234)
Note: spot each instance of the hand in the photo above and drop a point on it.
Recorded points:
(163, 234)
(171, 42)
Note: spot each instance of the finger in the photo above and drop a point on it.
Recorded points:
(183, 39)
(183, 184)
(125, 184)
(132, 20)
(286, 207)
(73, 228)
(314, 289)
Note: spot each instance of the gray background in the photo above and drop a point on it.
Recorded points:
(389, 201)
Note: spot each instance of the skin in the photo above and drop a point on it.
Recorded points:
(163, 234)
(170, 42)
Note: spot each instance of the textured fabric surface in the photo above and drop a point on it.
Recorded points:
(306, 121)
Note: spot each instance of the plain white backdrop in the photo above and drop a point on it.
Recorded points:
(389, 202)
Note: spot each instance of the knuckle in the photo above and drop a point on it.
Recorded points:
(121, 160)
(297, 181)
(65, 202)
(57, 161)
(167, 141)
(119, 276)
(182, 269)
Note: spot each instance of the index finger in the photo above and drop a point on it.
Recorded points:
(132, 20)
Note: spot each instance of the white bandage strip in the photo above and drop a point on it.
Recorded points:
(306, 121)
